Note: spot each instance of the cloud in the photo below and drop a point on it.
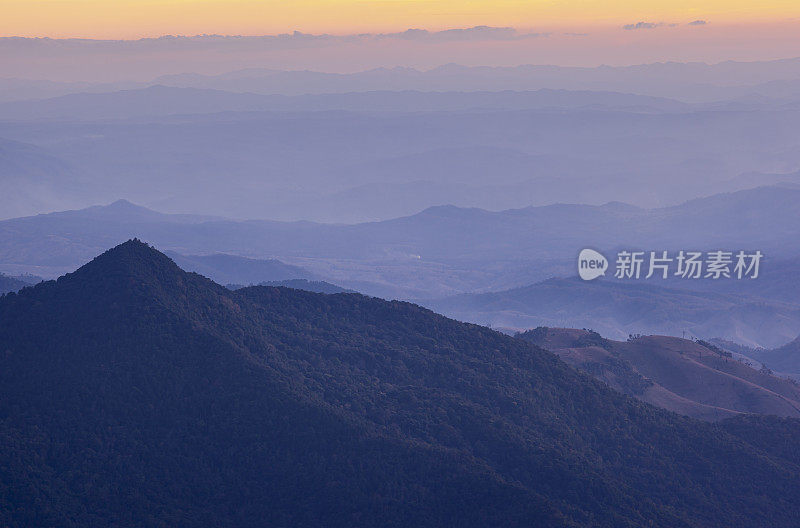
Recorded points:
(648, 25)
(697, 23)
(461, 34)
(642, 25)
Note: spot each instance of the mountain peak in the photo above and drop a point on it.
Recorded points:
(129, 277)
(133, 274)
(134, 260)
(134, 245)
(119, 210)
(123, 204)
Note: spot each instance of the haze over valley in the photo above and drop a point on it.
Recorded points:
(512, 270)
(375, 152)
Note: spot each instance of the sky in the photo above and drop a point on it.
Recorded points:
(352, 35)
(129, 19)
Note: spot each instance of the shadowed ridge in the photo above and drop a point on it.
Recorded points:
(160, 396)
(191, 411)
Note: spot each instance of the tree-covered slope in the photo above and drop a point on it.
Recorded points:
(695, 378)
(133, 393)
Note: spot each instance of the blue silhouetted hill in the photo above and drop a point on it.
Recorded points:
(133, 393)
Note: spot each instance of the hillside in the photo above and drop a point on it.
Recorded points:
(307, 285)
(774, 282)
(617, 309)
(156, 397)
(784, 359)
(692, 378)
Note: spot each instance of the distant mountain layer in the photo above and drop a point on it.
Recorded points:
(166, 147)
(165, 100)
(784, 359)
(430, 254)
(33, 179)
(232, 269)
(774, 283)
(164, 399)
(618, 309)
(691, 81)
(693, 378)
(11, 284)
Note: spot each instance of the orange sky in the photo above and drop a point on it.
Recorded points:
(142, 18)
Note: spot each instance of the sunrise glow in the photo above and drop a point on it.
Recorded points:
(144, 18)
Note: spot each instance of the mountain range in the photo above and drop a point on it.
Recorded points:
(617, 309)
(295, 157)
(438, 255)
(153, 396)
(163, 101)
(686, 81)
(437, 252)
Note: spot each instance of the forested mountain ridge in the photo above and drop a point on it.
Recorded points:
(134, 393)
(308, 285)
